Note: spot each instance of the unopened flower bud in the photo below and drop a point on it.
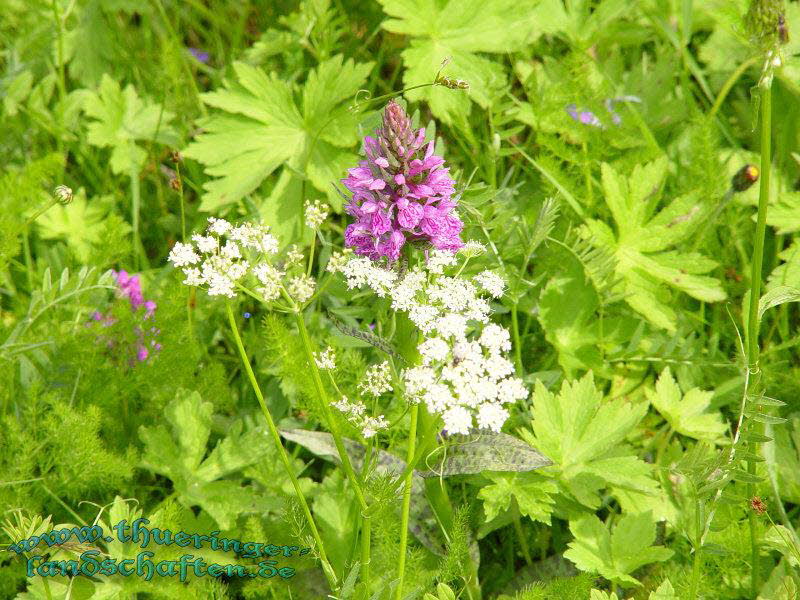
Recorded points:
(63, 194)
(745, 178)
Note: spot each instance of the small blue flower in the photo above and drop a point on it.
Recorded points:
(247, 315)
(587, 117)
(200, 55)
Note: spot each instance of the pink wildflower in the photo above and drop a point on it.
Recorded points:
(401, 193)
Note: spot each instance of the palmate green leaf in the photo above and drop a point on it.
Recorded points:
(121, 119)
(583, 435)
(262, 126)
(81, 223)
(687, 414)
(533, 493)
(615, 553)
(179, 452)
(642, 242)
(462, 30)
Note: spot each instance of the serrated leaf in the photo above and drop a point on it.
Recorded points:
(617, 552)
(688, 413)
(532, 492)
(178, 451)
(461, 30)
(261, 127)
(665, 591)
(583, 435)
(642, 241)
(79, 223)
(121, 119)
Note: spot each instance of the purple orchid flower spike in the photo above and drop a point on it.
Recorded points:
(402, 193)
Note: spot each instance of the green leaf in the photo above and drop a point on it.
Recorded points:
(776, 296)
(642, 241)
(788, 272)
(261, 126)
(461, 30)
(615, 553)
(178, 451)
(80, 223)
(485, 451)
(532, 492)
(584, 436)
(665, 591)
(688, 414)
(567, 308)
(122, 119)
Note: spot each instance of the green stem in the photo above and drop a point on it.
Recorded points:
(517, 343)
(355, 482)
(728, 85)
(412, 443)
(523, 543)
(698, 551)
(276, 437)
(135, 205)
(755, 294)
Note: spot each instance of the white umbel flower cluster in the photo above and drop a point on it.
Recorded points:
(230, 256)
(356, 413)
(465, 375)
(315, 212)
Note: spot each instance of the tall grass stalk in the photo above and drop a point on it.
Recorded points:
(333, 427)
(755, 293)
(276, 437)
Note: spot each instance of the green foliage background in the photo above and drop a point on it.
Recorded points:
(626, 254)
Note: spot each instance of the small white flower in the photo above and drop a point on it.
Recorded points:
(434, 349)
(231, 250)
(325, 359)
(205, 243)
(457, 420)
(377, 380)
(316, 213)
(182, 255)
(451, 325)
(373, 425)
(338, 260)
(218, 226)
(193, 276)
(491, 282)
(301, 288)
(472, 249)
(495, 338)
(491, 416)
(439, 259)
(293, 255)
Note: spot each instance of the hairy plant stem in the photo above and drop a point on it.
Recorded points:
(753, 317)
(337, 439)
(697, 562)
(276, 437)
(412, 442)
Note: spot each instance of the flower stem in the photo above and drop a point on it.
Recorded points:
(698, 550)
(276, 437)
(755, 294)
(412, 443)
(517, 342)
(337, 439)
